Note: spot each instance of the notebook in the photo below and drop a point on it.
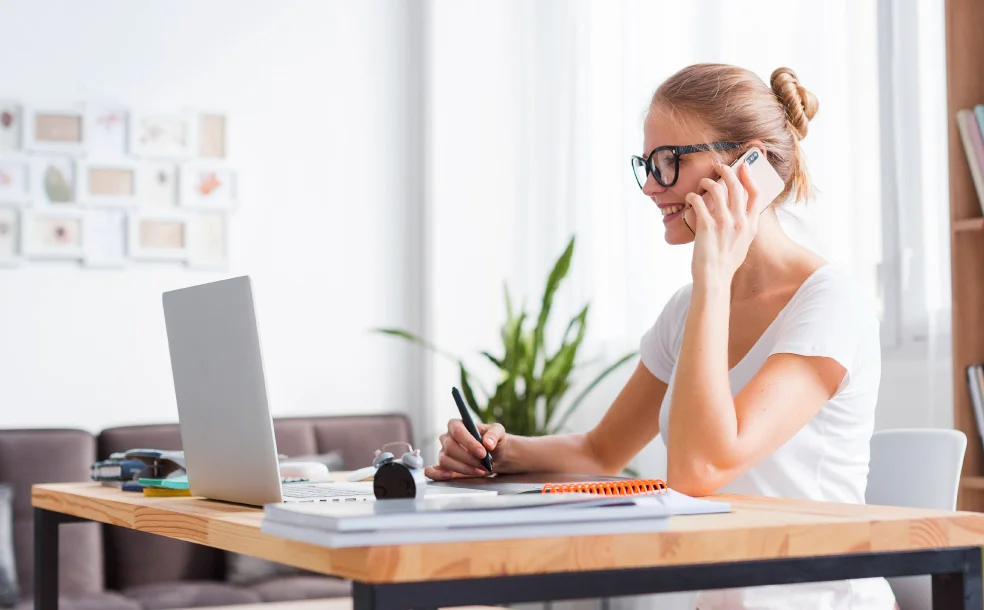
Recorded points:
(606, 502)
(427, 535)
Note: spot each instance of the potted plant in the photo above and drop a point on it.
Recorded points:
(533, 381)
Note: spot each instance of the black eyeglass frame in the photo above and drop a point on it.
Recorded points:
(677, 151)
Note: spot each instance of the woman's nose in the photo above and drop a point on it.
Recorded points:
(652, 188)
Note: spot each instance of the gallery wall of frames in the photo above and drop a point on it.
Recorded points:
(108, 186)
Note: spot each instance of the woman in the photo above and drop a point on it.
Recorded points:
(761, 376)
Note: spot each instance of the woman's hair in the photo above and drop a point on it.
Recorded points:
(736, 106)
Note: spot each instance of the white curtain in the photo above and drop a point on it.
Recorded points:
(535, 107)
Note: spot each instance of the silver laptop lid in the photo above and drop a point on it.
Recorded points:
(226, 426)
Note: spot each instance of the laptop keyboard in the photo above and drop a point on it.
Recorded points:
(319, 491)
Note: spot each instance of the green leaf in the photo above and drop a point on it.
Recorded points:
(559, 271)
(558, 369)
(580, 398)
(396, 332)
(469, 395)
(499, 363)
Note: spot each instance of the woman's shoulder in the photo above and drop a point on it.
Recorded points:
(830, 285)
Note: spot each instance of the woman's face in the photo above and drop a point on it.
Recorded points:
(661, 130)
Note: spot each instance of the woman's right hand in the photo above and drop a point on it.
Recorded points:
(461, 455)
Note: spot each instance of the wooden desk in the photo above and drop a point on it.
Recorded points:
(763, 541)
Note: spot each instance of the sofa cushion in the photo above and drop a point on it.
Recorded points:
(292, 588)
(49, 456)
(138, 558)
(189, 594)
(9, 593)
(357, 436)
(89, 601)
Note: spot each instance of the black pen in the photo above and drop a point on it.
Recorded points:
(487, 460)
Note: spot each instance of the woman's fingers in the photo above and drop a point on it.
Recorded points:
(464, 438)
(737, 197)
(458, 453)
(704, 217)
(447, 462)
(716, 198)
(755, 204)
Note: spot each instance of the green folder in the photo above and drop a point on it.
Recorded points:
(179, 482)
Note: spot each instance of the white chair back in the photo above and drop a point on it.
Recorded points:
(916, 468)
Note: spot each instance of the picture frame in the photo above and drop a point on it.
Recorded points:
(204, 185)
(211, 135)
(54, 129)
(53, 180)
(105, 237)
(106, 130)
(110, 182)
(10, 236)
(208, 240)
(11, 126)
(161, 135)
(159, 185)
(15, 180)
(53, 234)
(158, 236)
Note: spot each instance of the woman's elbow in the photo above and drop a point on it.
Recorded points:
(695, 480)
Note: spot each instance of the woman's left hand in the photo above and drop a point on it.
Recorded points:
(727, 217)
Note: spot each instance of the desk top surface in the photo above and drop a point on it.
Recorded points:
(757, 528)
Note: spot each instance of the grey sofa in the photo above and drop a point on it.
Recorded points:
(112, 568)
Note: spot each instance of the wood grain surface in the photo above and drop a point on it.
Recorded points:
(757, 528)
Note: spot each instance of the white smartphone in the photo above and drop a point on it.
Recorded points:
(766, 178)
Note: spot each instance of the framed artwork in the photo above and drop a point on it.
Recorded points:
(206, 185)
(161, 135)
(104, 237)
(208, 246)
(15, 185)
(55, 129)
(158, 236)
(106, 130)
(211, 135)
(159, 185)
(53, 180)
(11, 125)
(114, 183)
(53, 234)
(9, 236)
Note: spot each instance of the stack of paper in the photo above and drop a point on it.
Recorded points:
(436, 519)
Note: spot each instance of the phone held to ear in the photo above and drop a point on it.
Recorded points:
(761, 172)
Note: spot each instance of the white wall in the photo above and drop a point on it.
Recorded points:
(316, 92)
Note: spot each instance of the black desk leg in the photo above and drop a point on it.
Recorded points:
(960, 590)
(46, 524)
(46, 559)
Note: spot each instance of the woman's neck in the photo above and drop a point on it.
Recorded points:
(772, 256)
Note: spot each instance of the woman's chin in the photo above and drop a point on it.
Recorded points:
(677, 234)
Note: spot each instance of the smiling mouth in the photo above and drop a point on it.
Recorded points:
(671, 209)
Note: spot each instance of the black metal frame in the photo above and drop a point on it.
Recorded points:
(956, 576)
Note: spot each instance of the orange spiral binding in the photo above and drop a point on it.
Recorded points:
(610, 488)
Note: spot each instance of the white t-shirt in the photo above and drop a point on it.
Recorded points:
(827, 459)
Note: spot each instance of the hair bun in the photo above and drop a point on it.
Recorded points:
(800, 104)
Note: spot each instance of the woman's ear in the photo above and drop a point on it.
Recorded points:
(756, 144)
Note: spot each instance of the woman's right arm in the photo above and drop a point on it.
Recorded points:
(630, 424)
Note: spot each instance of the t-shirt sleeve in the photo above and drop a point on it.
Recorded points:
(659, 346)
(828, 319)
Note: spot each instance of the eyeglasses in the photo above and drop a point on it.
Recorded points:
(664, 161)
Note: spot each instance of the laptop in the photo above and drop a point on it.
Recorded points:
(223, 411)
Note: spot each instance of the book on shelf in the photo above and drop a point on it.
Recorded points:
(970, 124)
(975, 384)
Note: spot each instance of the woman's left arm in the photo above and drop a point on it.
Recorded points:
(714, 437)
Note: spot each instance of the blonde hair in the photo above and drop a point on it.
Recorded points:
(736, 106)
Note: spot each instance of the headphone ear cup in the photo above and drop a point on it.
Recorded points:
(412, 461)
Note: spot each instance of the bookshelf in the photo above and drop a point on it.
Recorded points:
(965, 89)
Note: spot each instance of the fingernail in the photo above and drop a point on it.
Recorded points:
(490, 442)
(480, 452)
(445, 474)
